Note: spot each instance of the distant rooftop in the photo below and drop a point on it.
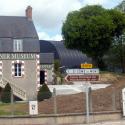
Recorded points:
(46, 58)
(67, 57)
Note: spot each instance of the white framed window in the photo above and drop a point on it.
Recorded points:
(18, 69)
(18, 45)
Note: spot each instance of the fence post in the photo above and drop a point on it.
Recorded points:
(113, 99)
(90, 99)
(87, 103)
(54, 97)
(12, 106)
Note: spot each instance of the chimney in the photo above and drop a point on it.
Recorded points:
(29, 13)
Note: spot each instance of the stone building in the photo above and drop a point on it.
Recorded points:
(46, 68)
(56, 50)
(19, 55)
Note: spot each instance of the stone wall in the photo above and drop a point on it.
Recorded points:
(60, 119)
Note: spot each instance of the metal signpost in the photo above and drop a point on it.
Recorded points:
(87, 74)
(87, 103)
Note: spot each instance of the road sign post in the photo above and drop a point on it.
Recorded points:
(87, 91)
(88, 74)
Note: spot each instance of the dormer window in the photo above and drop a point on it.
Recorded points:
(18, 45)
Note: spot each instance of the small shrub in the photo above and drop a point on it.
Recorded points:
(6, 94)
(56, 66)
(44, 93)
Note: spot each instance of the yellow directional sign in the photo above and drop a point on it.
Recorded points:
(86, 65)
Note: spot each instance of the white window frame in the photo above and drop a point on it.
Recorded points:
(17, 69)
(18, 45)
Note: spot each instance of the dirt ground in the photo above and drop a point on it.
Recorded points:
(108, 99)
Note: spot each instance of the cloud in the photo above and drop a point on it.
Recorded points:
(48, 15)
(92, 2)
(104, 3)
(45, 36)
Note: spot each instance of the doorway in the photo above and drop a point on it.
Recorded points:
(42, 77)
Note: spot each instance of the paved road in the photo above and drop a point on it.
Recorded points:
(73, 89)
(122, 122)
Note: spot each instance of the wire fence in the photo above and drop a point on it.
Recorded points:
(102, 100)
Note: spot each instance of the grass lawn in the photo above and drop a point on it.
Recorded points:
(15, 109)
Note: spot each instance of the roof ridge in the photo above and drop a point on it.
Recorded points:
(12, 16)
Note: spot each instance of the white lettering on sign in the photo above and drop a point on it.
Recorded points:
(82, 71)
(14, 56)
(79, 77)
(91, 71)
(75, 71)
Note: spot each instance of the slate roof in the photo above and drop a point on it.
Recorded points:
(68, 58)
(13, 27)
(48, 47)
(16, 27)
(46, 58)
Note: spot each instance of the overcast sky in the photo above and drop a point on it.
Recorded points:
(48, 15)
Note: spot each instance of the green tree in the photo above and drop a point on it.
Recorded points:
(56, 65)
(57, 70)
(92, 30)
(115, 57)
(121, 6)
(118, 19)
(6, 94)
(118, 43)
(44, 93)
